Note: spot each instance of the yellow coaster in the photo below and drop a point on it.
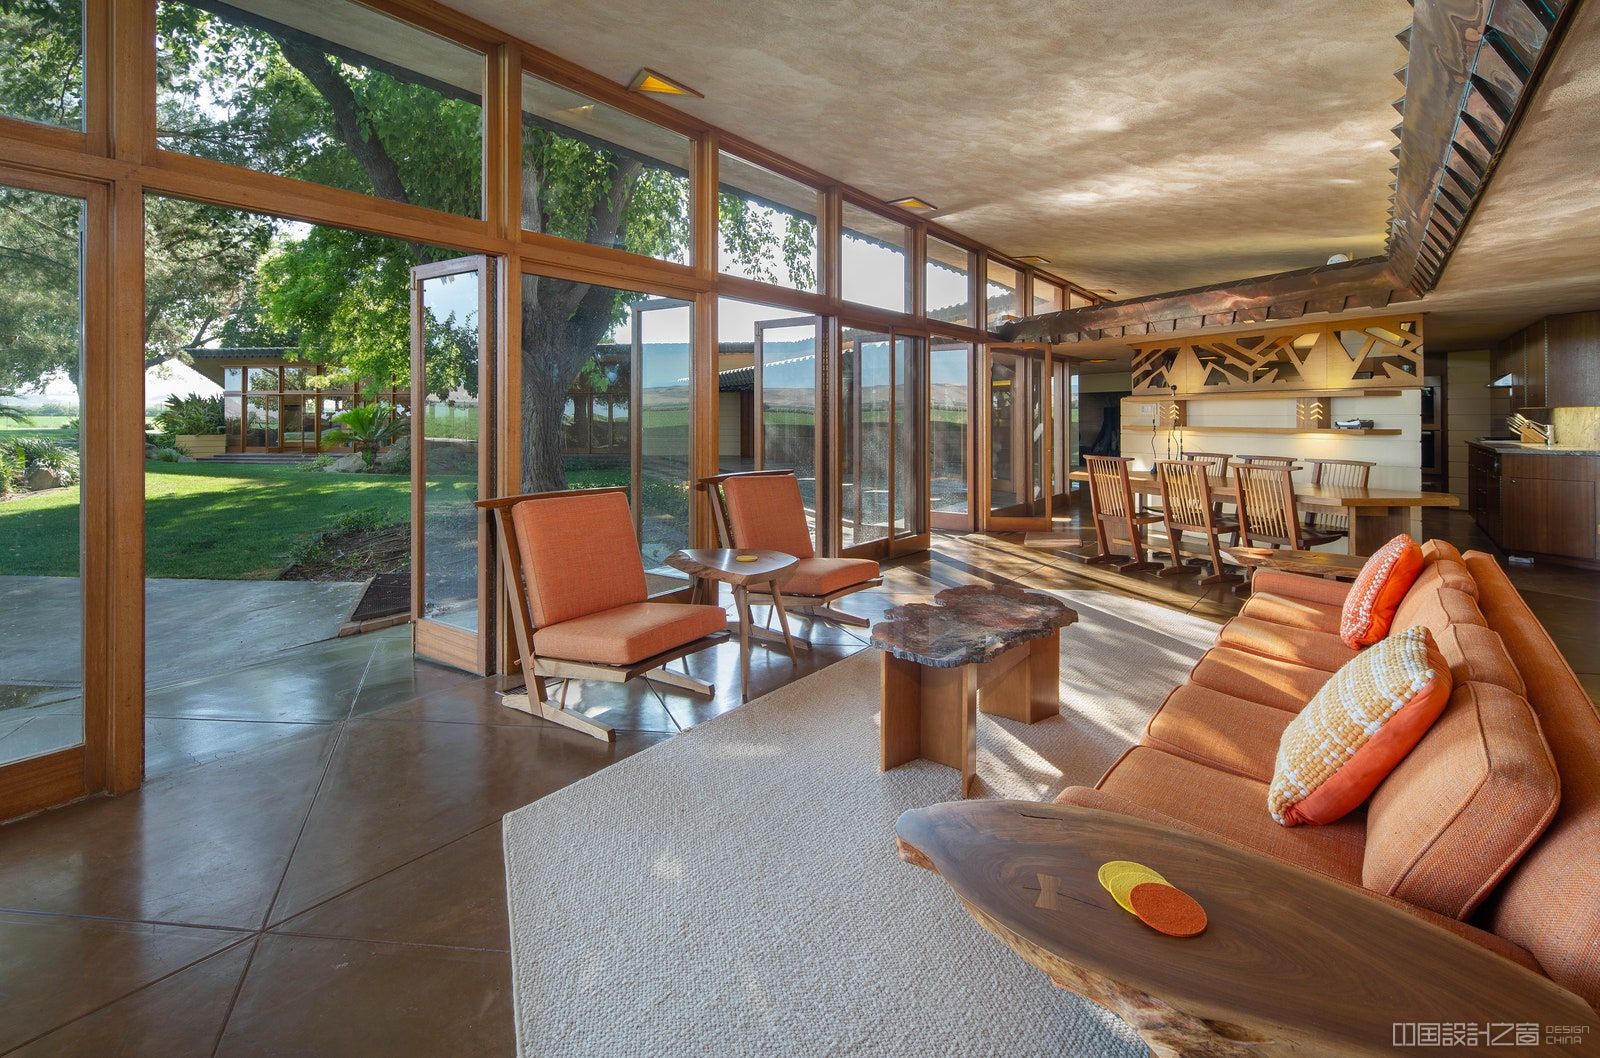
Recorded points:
(746, 558)
(1120, 876)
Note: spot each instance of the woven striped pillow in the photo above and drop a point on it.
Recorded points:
(1358, 728)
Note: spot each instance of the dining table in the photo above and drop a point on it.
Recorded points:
(1376, 515)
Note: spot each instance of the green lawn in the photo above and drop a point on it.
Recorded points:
(222, 522)
(50, 427)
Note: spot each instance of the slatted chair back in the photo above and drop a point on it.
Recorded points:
(1218, 461)
(1337, 473)
(1186, 493)
(1267, 511)
(1266, 461)
(1110, 489)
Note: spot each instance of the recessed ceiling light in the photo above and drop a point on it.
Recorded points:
(1098, 360)
(648, 80)
(913, 202)
(1101, 290)
(1034, 259)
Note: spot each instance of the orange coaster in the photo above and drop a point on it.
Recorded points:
(1168, 910)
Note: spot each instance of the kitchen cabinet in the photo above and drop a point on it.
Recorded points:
(1536, 504)
(1573, 361)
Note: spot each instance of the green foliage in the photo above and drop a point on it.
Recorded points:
(166, 454)
(33, 453)
(194, 414)
(346, 524)
(42, 79)
(10, 471)
(12, 413)
(316, 465)
(368, 428)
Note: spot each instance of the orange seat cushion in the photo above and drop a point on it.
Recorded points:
(1292, 612)
(1369, 608)
(1225, 806)
(822, 576)
(1318, 650)
(1299, 586)
(1218, 730)
(626, 634)
(765, 512)
(1459, 811)
(1357, 729)
(1267, 681)
(579, 555)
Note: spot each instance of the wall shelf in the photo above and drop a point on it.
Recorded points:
(1286, 430)
(1260, 394)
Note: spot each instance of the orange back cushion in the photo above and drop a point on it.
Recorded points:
(1369, 608)
(1437, 549)
(765, 512)
(579, 555)
(1459, 812)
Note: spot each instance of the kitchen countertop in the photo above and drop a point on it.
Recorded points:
(1535, 449)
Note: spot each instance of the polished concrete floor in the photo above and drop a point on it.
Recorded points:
(314, 865)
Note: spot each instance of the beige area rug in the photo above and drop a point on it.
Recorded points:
(734, 891)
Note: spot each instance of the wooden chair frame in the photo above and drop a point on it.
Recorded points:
(817, 607)
(535, 670)
(1266, 461)
(1106, 517)
(1189, 507)
(1336, 523)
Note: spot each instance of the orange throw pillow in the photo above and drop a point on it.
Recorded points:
(1357, 729)
(1376, 594)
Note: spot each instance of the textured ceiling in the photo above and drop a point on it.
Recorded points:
(1532, 249)
(1141, 147)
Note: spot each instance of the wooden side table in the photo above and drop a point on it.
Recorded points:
(976, 648)
(713, 565)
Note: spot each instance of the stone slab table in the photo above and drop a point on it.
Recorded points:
(973, 648)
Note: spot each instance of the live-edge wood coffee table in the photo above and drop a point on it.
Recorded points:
(710, 565)
(973, 648)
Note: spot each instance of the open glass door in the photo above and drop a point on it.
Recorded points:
(883, 412)
(451, 461)
(950, 434)
(1017, 442)
(785, 423)
(658, 420)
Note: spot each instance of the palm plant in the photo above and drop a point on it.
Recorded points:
(368, 428)
(12, 413)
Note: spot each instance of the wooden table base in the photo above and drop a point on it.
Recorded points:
(932, 713)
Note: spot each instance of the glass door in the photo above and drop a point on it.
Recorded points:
(452, 580)
(950, 434)
(882, 406)
(1017, 442)
(785, 361)
(658, 417)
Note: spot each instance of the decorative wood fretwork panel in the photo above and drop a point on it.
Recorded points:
(1347, 354)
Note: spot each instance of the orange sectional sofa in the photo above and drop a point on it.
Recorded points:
(1489, 828)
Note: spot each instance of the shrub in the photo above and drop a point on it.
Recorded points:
(348, 523)
(189, 415)
(165, 455)
(10, 471)
(317, 465)
(35, 452)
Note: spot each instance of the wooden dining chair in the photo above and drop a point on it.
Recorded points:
(579, 604)
(763, 509)
(1218, 469)
(1189, 506)
(1111, 501)
(1266, 461)
(1348, 473)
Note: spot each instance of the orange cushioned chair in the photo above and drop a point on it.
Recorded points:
(762, 510)
(579, 604)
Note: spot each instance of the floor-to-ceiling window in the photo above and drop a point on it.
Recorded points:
(606, 399)
(41, 413)
(875, 260)
(950, 436)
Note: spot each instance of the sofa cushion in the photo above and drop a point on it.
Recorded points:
(626, 634)
(1435, 607)
(1267, 681)
(1547, 904)
(765, 511)
(1291, 612)
(579, 555)
(1228, 807)
(819, 576)
(1476, 654)
(1369, 609)
(1453, 818)
(1218, 730)
(1437, 549)
(1447, 573)
(1299, 586)
(1366, 719)
(1318, 650)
